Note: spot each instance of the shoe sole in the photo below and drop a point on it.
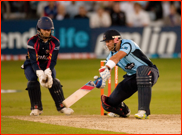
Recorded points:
(112, 115)
(127, 115)
(144, 117)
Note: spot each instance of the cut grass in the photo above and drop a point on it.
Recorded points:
(73, 74)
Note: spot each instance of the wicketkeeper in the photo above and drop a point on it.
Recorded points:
(40, 61)
(141, 75)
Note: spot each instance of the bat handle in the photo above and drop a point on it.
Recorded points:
(97, 80)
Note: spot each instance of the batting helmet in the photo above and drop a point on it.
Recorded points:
(45, 23)
(111, 34)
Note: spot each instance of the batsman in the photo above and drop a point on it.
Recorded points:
(141, 75)
(39, 65)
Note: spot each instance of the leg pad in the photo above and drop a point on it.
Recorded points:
(144, 84)
(57, 94)
(34, 92)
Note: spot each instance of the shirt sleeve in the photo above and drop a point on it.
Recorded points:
(54, 59)
(33, 53)
(126, 48)
(33, 60)
(53, 54)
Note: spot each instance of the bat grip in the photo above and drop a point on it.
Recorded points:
(97, 80)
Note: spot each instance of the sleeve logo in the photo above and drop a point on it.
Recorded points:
(124, 47)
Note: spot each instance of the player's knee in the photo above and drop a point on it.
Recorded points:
(57, 94)
(144, 81)
(144, 76)
(104, 104)
(33, 85)
(56, 83)
(121, 111)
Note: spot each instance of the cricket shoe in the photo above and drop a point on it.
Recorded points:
(141, 115)
(129, 112)
(111, 114)
(123, 105)
(36, 112)
(67, 111)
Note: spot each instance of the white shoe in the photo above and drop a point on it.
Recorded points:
(141, 115)
(111, 114)
(36, 112)
(67, 111)
(128, 114)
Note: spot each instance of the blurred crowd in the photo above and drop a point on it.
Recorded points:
(99, 13)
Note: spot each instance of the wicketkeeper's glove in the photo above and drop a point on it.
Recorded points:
(49, 82)
(42, 77)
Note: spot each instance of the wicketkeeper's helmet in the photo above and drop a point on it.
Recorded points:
(111, 34)
(45, 23)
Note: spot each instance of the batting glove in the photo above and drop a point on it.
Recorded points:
(104, 73)
(99, 82)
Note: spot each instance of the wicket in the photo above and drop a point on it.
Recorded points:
(102, 62)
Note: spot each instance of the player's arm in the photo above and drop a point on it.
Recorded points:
(33, 58)
(124, 50)
(51, 63)
(115, 59)
(105, 71)
(50, 66)
(52, 59)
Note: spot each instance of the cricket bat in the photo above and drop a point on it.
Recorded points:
(73, 98)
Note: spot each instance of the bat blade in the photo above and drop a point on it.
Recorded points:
(73, 98)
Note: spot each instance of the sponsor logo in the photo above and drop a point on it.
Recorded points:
(116, 36)
(124, 47)
(43, 57)
(69, 38)
(47, 51)
(152, 40)
(17, 40)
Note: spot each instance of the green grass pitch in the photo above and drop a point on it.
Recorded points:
(73, 74)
